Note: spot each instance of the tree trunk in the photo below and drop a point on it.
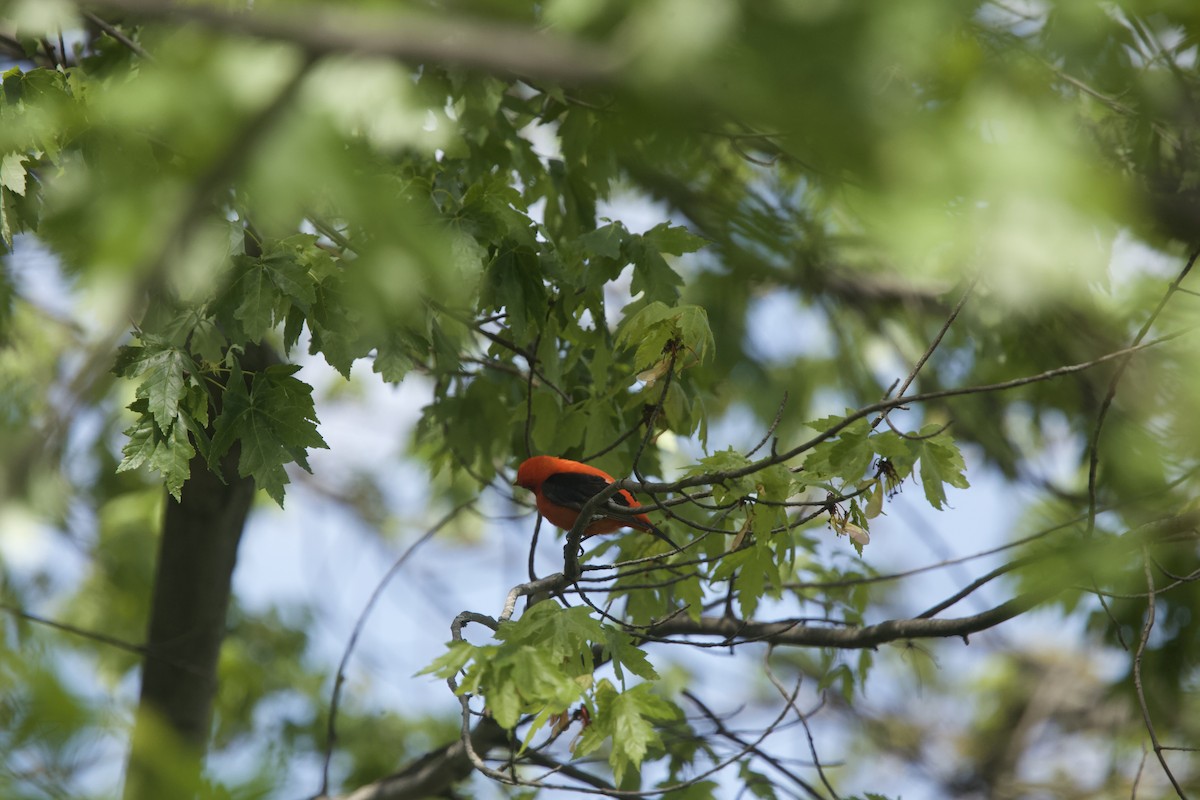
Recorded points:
(192, 585)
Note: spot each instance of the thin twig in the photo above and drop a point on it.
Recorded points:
(1137, 778)
(612, 445)
(531, 359)
(723, 730)
(119, 35)
(102, 638)
(339, 678)
(1003, 569)
(652, 417)
(865, 411)
(1123, 363)
(1147, 627)
(937, 340)
(800, 715)
(771, 430)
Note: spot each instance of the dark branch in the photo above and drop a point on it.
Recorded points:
(799, 634)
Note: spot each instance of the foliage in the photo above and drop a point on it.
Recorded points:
(983, 213)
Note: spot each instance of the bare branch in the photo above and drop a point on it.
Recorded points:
(723, 730)
(937, 340)
(102, 638)
(800, 715)
(770, 430)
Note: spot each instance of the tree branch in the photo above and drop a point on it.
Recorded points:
(883, 405)
(797, 633)
(324, 29)
(432, 774)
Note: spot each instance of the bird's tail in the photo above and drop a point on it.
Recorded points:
(642, 523)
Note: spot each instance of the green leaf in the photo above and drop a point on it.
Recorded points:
(842, 676)
(169, 453)
(875, 500)
(208, 341)
(625, 653)
(290, 277)
(698, 790)
(651, 273)
(140, 447)
(637, 325)
(656, 324)
(490, 212)
(518, 679)
(758, 571)
(172, 459)
(162, 368)
(274, 421)
(449, 663)
(163, 385)
(7, 226)
(690, 593)
(724, 461)
(392, 360)
(846, 456)
(626, 719)
(941, 463)
(334, 327)
(512, 282)
(258, 297)
(694, 330)
(605, 241)
(12, 172)
(565, 633)
(774, 482)
(674, 239)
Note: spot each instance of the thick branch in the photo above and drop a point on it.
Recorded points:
(797, 633)
(433, 774)
(325, 29)
(800, 634)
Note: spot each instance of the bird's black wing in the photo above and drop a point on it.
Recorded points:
(573, 489)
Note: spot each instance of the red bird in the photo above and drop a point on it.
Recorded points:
(563, 486)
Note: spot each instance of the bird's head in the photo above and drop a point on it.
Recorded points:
(533, 471)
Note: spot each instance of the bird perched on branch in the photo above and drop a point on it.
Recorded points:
(562, 487)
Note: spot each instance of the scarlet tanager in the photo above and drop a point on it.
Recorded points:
(562, 486)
